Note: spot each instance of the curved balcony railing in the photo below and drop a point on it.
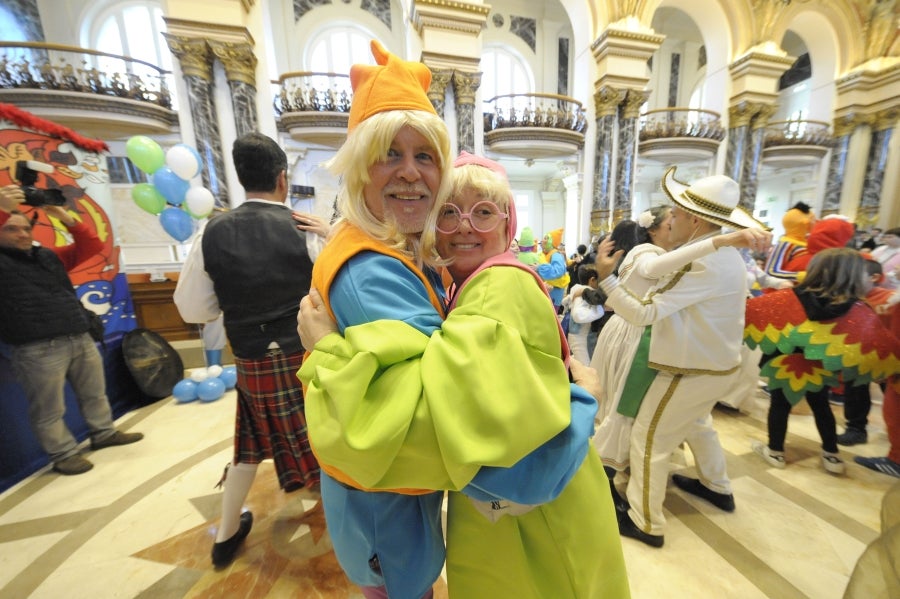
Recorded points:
(36, 65)
(313, 92)
(797, 133)
(534, 110)
(663, 123)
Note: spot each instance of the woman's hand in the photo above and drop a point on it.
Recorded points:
(585, 377)
(312, 223)
(313, 321)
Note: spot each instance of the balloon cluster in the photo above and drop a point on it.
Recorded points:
(205, 384)
(170, 194)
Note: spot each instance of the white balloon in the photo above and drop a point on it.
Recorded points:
(213, 371)
(200, 201)
(198, 375)
(184, 161)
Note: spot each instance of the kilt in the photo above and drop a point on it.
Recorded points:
(270, 422)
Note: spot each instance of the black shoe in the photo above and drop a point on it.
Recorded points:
(852, 436)
(117, 438)
(620, 502)
(695, 487)
(628, 529)
(72, 465)
(223, 553)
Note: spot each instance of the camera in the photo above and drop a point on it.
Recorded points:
(27, 174)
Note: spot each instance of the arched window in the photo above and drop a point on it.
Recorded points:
(131, 29)
(335, 49)
(503, 72)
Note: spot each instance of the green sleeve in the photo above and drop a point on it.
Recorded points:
(392, 408)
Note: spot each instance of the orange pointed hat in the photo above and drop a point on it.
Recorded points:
(392, 84)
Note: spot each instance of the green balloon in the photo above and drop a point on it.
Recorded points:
(148, 198)
(145, 153)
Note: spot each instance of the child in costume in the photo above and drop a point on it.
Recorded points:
(552, 267)
(581, 313)
(797, 222)
(528, 254)
(491, 385)
(811, 335)
(857, 399)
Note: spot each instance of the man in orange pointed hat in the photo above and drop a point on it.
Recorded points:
(379, 265)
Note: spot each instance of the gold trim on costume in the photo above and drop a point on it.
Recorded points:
(678, 371)
(710, 205)
(677, 277)
(648, 448)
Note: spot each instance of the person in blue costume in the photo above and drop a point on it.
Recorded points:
(381, 464)
(514, 441)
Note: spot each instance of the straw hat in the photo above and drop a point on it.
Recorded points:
(714, 199)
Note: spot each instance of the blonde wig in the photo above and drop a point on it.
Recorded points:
(369, 143)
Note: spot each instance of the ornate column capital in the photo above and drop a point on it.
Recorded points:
(634, 99)
(847, 123)
(193, 55)
(740, 114)
(440, 78)
(763, 114)
(885, 119)
(607, 100)
(238, 59)
(465, 84)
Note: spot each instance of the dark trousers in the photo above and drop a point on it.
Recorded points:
(780, 410)
(857, 403)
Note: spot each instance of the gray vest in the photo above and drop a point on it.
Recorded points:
(260, 268)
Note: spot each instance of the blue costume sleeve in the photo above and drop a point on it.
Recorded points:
(543, 474)
(553, 269)
(372, 286)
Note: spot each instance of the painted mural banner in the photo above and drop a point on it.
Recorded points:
(80, 173)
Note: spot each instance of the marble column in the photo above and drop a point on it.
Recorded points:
(606, 105)
(626, 164)
(240, 70)
(195, 59)
(465, 84)
(870, 201)
(750, 176)
(437, 91)
(837, 165)
(739, 117)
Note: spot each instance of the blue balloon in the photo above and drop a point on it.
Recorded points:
(229, 376)
(185, 391)
(171, 186)
(210, 389)
(177, 223)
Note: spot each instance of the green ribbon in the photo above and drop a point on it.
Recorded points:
(639, 378)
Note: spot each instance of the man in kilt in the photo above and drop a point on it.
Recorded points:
(253, 264)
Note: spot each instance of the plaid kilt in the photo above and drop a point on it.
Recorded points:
(270, 423)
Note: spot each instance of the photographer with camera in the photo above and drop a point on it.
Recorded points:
(46, 326)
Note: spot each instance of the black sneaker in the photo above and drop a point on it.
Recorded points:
(884, 465)
(223, 553)
(724, 502)
(627, 528)
(852, 436)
